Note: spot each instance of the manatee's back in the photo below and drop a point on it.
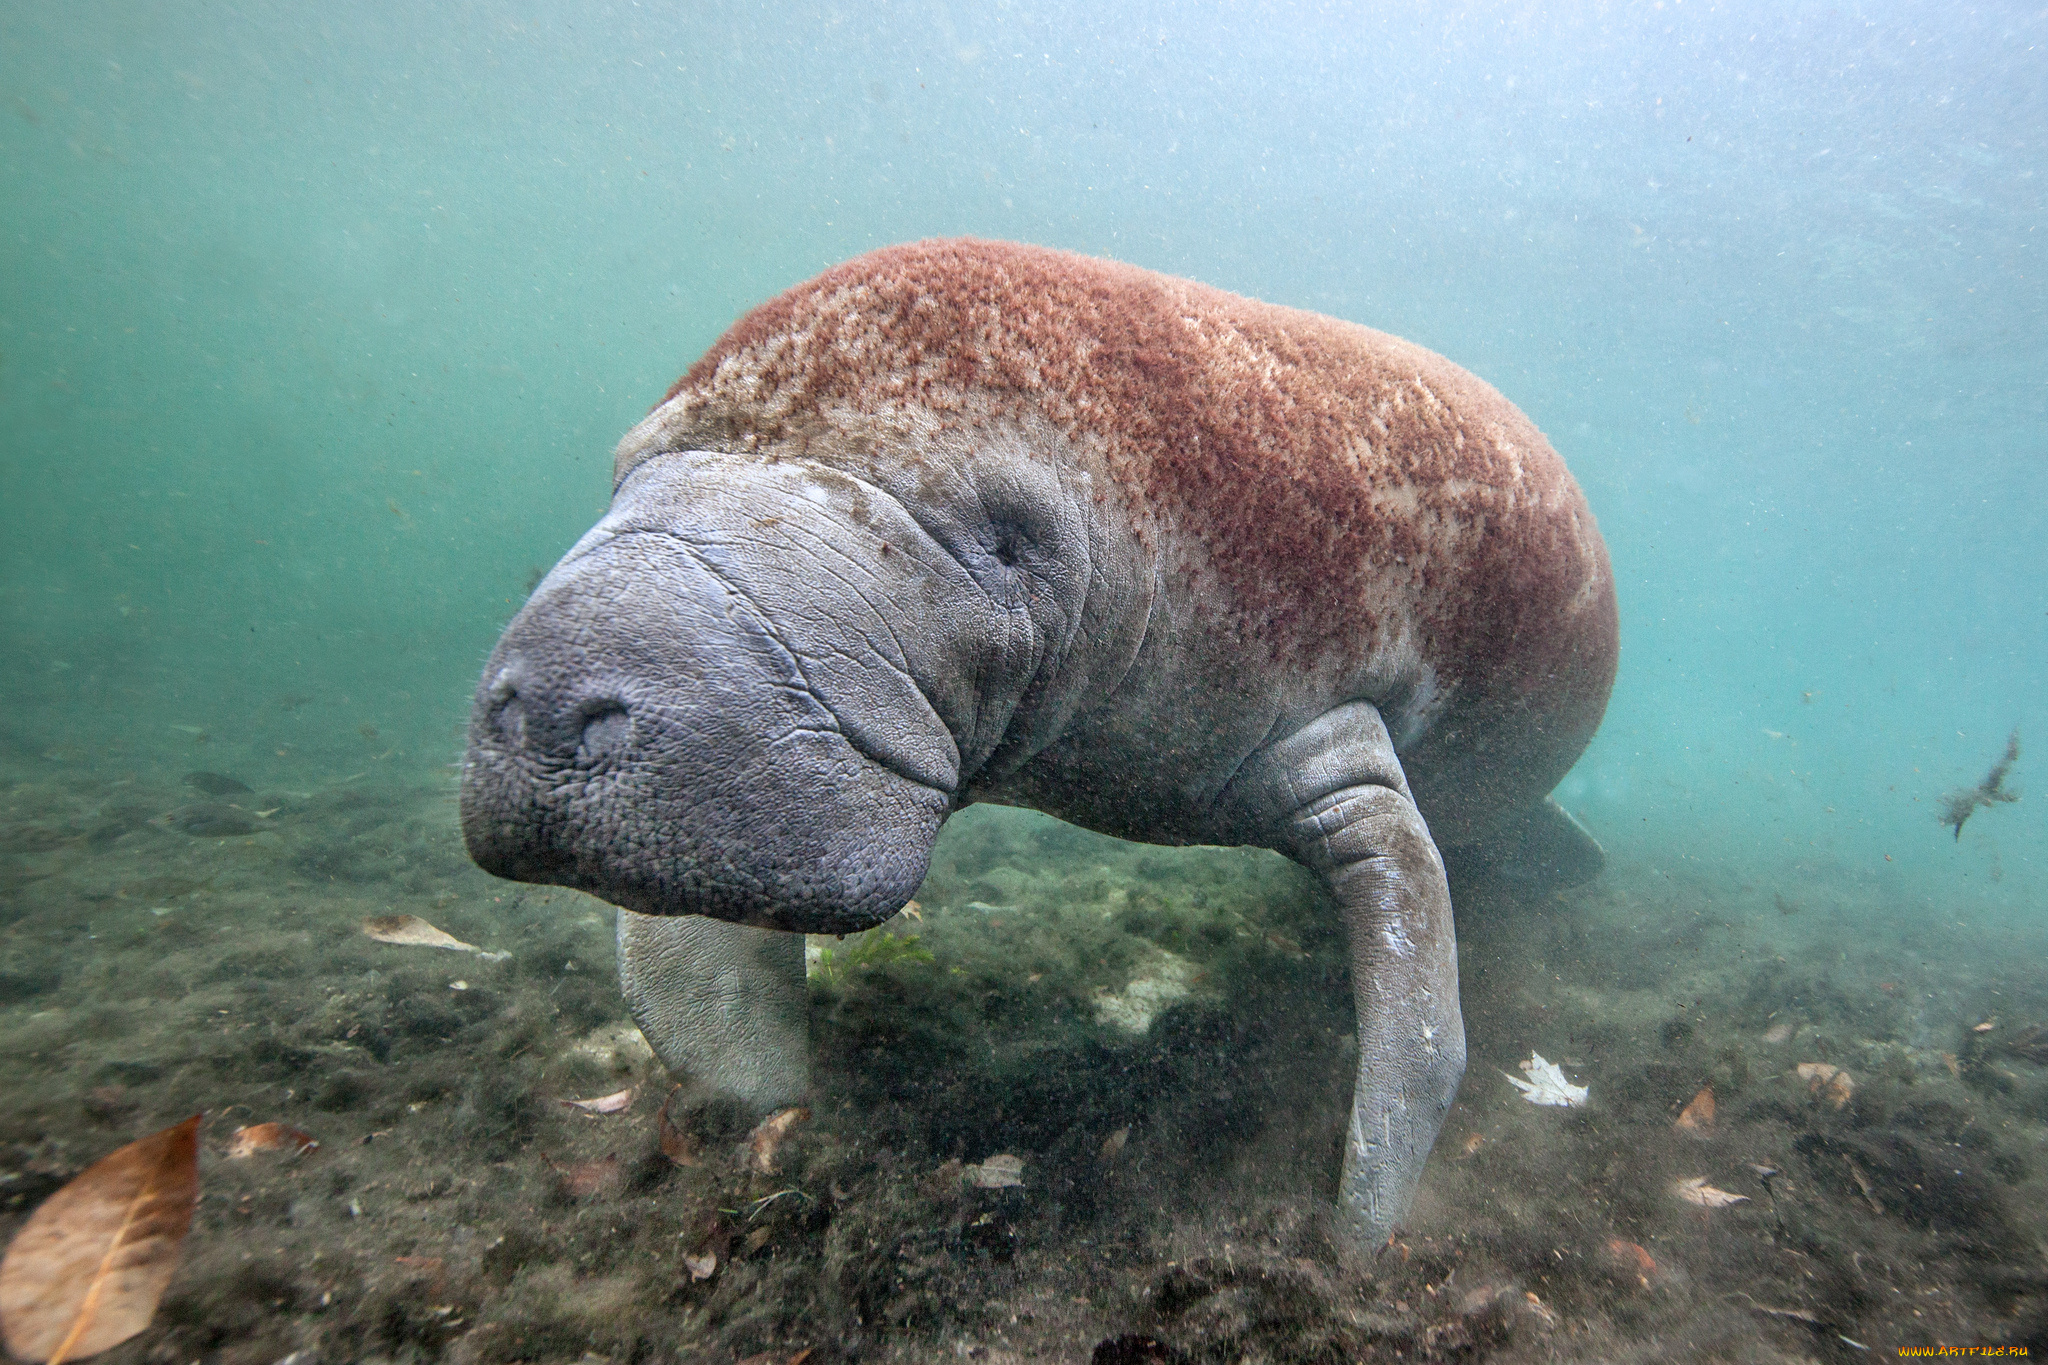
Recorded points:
(1356, 498)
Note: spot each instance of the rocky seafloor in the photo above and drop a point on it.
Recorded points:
(1161, 1037)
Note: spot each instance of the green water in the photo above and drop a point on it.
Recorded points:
(317, 326)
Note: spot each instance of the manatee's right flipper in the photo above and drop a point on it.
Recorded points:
(723, 1005)
(1541, 846)
(1333, 795)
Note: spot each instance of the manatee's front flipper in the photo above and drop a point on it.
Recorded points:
(1541, 846)
(1339, 803)
(723, 1005)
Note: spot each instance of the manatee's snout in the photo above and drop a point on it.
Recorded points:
(646, 732)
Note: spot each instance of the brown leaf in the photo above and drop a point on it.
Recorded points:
(768, 1137)
(414, 932)
(270, 1137)
(1113, 1145)
(1631, 1260)
(585, 1178)
(86, 1271)
(676, 1143)
(604, 1104)
(1830, 1083)
(701, 1267)
(1697, 1118)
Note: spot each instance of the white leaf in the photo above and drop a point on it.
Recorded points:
(1697, 1191)
(1547, 1085)
(997, 1173)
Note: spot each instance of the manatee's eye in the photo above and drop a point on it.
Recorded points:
(1009, 546)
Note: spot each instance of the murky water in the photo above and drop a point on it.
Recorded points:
(316, 332)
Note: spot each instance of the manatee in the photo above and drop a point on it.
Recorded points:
(964, 521)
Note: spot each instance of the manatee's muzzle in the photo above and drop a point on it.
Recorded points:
(643, 732)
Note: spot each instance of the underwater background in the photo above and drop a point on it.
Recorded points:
(318, 325)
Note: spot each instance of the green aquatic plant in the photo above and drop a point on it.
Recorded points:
(1960, 804)
(875, 948)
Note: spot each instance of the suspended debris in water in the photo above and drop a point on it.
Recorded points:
(1697, 1118)
(997, 1173)
(413, 932)
(768, 1137)
(1829, 1083)
(1113, 1145)
(1959, 805)
(217, 784)
(270, 1137)
(1546, 1084)
(86, 1272)
(1696, 1190)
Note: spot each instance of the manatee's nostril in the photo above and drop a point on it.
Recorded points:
(501, 705)
(606, 731)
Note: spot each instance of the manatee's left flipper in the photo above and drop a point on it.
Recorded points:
(1541, 847)
(1339, 803)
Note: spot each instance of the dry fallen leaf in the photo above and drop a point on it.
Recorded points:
(604, 1104)
(86, 1271)
(1698, 1191)
(1546, 1084)
(586, 1178)
(768, 1137)
(1631, 1260)
(413, 932)
(270, 1137)
(1697, 1118)
(701, 1267)
(1830, 1083)
(997, 1173)
(676, 1142)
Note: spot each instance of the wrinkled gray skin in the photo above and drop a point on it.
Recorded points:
(754, 691)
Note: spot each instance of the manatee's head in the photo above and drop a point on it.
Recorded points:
(748, 693)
